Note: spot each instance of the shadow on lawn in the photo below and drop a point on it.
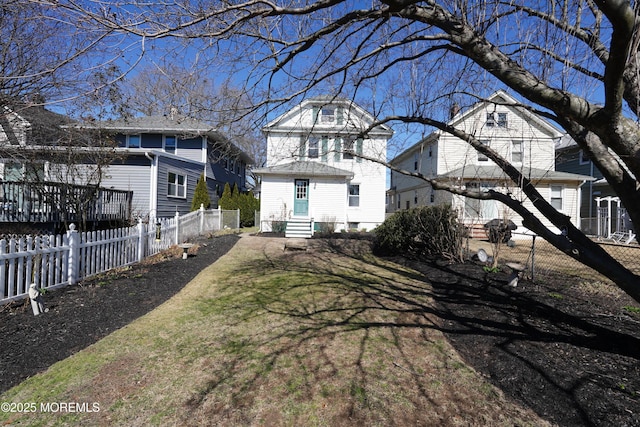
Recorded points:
(573, 366)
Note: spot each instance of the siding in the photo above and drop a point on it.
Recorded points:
(190, 148)
(327, 195)
(132, 175)
(168, 206)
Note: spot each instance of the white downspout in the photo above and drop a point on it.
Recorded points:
(153, 190)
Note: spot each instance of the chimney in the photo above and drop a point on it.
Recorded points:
(455, 109)
(173, 112)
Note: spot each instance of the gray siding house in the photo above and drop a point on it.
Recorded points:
(35, 144)
(163, 158)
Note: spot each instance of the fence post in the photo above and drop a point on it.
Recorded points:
(73, 268)
(219, 218)
(533, 259)
(177, 227)
(238, 218)
(141, 240)
(201, 218)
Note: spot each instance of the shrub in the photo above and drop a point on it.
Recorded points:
(246, 202)
(431, 231)
(225, 201)
(201, 195)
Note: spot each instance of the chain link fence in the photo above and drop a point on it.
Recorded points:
(543, 262)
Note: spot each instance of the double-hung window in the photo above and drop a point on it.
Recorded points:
(516, 151)
(481, 156)
(348, 149)
(177, 185)
(555, 198)
(314, 143)
(502, 120)
(354, 195)
(328, 115)
(497, 119)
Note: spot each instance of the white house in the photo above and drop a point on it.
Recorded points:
(521, 137)
(316, 175)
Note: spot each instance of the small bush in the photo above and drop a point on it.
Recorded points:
(278, 226)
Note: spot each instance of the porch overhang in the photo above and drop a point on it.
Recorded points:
(495, 174)
(304, 170)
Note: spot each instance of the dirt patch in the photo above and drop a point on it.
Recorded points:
(82, 314)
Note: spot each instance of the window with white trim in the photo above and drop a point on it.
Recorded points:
(176, 185)
(496, 119)
(170, 143)
(327, 115)
(314, 143)
(556, 196)
(516, 151)
(482, 157)
(354, 195)
(502, 120)
(584, 158)
(348, 149)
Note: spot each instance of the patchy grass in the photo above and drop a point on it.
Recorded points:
(331, 336)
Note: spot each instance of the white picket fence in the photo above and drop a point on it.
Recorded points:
(59, 260)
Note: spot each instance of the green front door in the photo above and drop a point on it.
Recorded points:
(301, 198)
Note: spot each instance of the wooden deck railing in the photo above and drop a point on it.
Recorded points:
(59, 203)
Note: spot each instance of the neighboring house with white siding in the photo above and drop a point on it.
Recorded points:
(163, 158)
(521, 137)
(315, 176)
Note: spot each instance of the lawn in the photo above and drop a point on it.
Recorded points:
(329, 336)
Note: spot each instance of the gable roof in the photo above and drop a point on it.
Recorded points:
(304, 169)
(364, 115)
(502, 97)
(45, 127)
(499, 96)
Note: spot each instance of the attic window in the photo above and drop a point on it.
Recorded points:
(497, 119)
(328, 115)
(502, 120)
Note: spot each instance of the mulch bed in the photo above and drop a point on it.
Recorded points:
(572, 356)
(82, 314)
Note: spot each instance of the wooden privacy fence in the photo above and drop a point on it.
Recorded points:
(58, 260)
